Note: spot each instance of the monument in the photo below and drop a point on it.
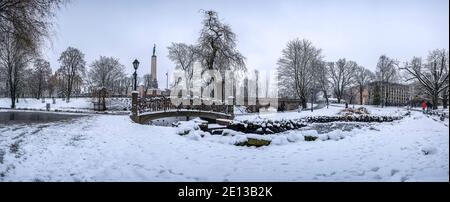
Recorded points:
(153, 89)
(153, 69)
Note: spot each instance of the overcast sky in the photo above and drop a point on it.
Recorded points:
(357, 30)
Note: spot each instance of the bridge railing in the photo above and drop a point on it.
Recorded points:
(161, 104)
(153, 104)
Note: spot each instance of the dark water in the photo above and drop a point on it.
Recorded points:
(168, 121)
(34, 117)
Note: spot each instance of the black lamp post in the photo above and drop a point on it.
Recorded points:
(135, 65)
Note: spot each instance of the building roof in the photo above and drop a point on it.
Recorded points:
(386, 83)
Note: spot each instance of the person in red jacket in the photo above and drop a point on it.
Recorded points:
(424, 106)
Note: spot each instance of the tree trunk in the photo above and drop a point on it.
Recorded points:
(68, 96)
(234, 92)
(257, 96)
(445, 99)
(381, 95)
(435, 100)
(104, 103)
(304, 105)
(361, 96)
(39, 92)
(69, 90)
(12, 89)
(326, 97)
(444, 102)
(12, 95)
(386, 97)
(223, 91)
(13, 102)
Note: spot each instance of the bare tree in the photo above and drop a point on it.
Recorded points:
(124, 84)
(106, 72)
(217, 48)
(128, 82)
(147, 83)
(342, 75)
(363, 77)
(61, 83)
(386, 73)
(266, 85)
(295, 68)
(52, 85)
(29, 21)
(15, 55)
(184, 57)
(433, 76)
(72, 68)
(445, 95)
(3, 79)
(40, 76)
(321, 75)
(23, 26)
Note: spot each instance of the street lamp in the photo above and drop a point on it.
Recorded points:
(135, 65)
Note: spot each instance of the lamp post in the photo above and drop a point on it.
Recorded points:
(135, 65)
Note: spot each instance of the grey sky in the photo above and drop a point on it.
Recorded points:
(357, 30)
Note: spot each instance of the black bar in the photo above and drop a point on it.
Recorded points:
(279, 191)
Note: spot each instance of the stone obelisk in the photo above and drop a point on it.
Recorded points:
(153, 67)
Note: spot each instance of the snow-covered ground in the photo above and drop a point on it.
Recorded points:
(332, 110)
(32, 103)
(75, 104)
(112, 148)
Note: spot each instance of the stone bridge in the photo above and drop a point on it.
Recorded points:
(148, 116)
(151, 108)
(157, 107)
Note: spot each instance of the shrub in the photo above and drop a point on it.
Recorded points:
(254, 142)
(310, 138)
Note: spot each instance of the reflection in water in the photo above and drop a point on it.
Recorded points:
(168, 121)
(32, 117)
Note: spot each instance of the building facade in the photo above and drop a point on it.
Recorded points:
(377, 93)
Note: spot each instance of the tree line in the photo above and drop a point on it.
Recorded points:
(302, 70)
(302, 73)
(215, 50)
(24, 27)
(73, 78)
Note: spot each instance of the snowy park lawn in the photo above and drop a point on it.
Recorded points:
(332, 110)
(75, 104)
(32, 103)
(112, 148)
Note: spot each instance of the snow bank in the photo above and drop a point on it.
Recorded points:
(113, 148)
(332, 110)
(75, 104)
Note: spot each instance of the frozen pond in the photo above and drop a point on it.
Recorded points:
(168, 121)
(12, 117)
